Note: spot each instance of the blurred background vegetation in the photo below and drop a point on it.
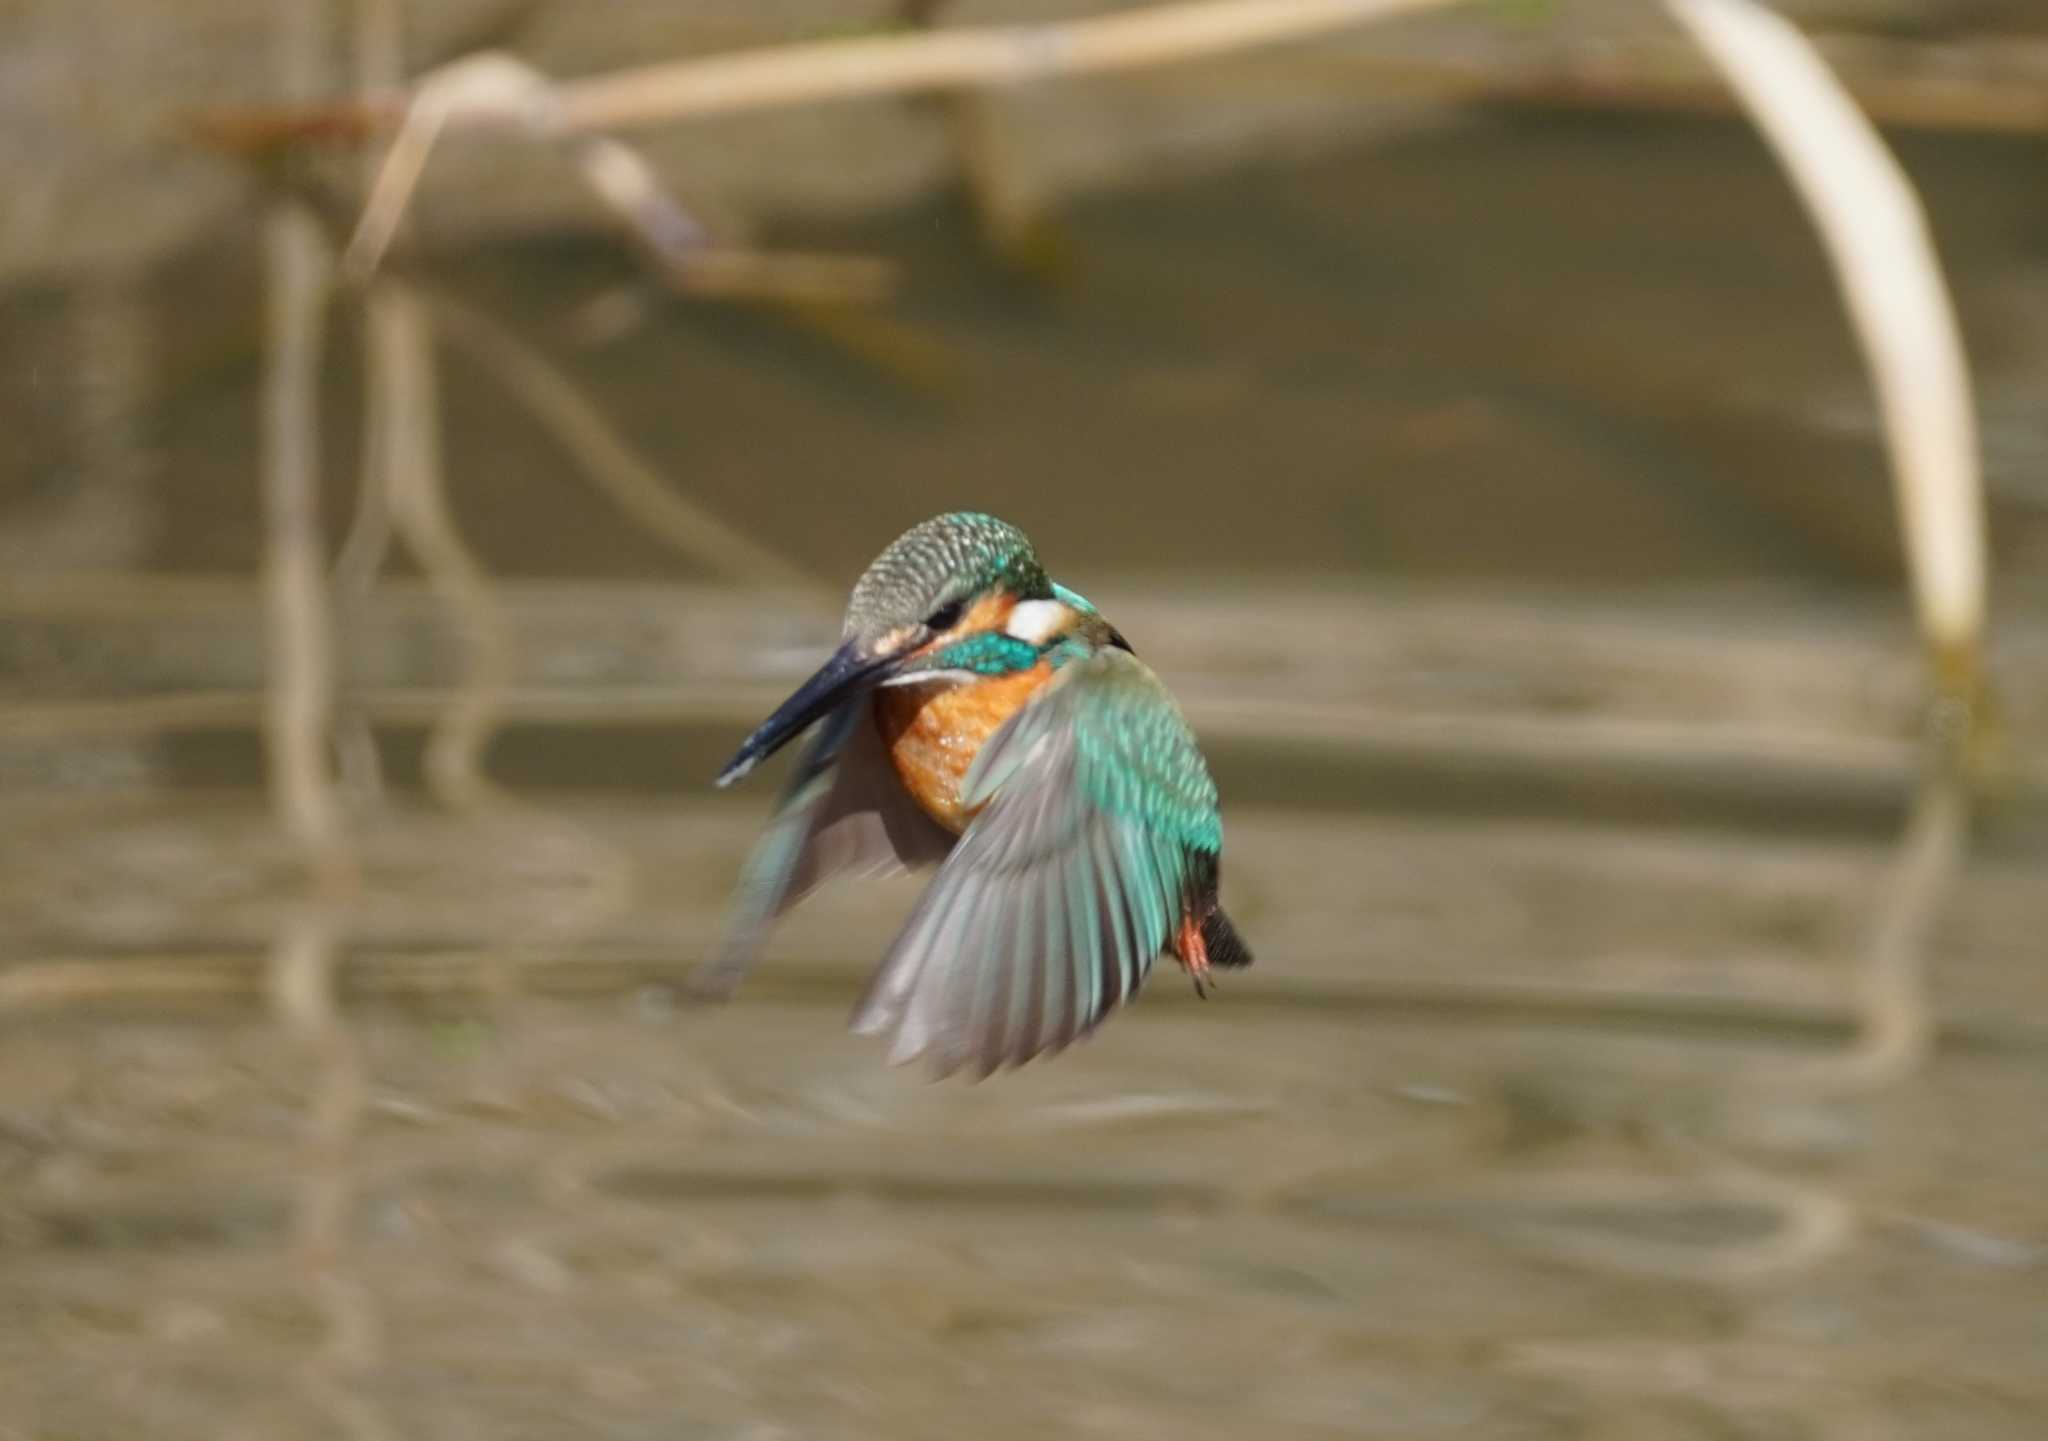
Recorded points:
(1458, 412)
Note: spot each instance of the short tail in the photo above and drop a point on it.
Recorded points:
(1226, 947)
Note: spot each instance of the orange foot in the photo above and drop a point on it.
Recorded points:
(1193, 953)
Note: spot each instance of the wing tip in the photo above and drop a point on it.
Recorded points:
(976, 1061)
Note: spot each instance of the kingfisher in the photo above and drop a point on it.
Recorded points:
(982, 717)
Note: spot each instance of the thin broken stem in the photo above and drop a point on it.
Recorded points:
(620, 473)
(690, 261)
(474, 711)
(380, 65)
(362, 556)
(420, 511)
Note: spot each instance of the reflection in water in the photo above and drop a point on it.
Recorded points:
(1532, 1122)
(1891, 1040)
(299, 724)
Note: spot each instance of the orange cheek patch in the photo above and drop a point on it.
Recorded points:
(991, 612)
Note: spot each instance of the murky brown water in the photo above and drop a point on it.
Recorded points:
(1569, 1097)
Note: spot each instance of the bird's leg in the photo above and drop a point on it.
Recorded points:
(1193, 952)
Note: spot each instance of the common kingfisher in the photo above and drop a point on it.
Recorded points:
(981, 716)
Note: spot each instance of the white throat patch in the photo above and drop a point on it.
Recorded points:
(1036, 621)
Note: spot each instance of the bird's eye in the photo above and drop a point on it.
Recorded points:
(946, 616)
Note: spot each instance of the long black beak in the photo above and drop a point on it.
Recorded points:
(848, 673)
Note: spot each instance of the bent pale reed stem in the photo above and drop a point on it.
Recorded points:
(380, 65)
(1875, 233)
(619, 472)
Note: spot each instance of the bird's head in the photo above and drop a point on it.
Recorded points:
(941, 583)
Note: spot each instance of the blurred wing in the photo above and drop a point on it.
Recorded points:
(843, 810)
(1099, 816)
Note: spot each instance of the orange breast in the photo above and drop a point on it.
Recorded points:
(935, 731)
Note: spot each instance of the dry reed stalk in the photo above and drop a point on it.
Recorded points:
(1877, 242)
(1875, 232)
(1601, 84)
(380, 64)
(1902, 84)
(300, 637)
(1910, 84)
(957, 59)
(420, 513)
(497, 91)
(1876, 236)
(363, 551)
(1871, 223)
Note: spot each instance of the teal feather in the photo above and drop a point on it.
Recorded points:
(766, 878)
(1072, 599)
(1098, 829)
(988, 652)
(842, 810)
